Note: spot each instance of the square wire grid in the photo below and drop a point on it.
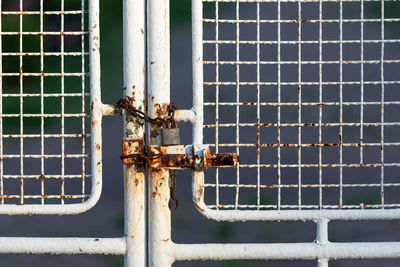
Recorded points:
(307, 93)
(44, 102)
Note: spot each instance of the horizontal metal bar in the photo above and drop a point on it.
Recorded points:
(109, 110)
(293, 251)
(378, 20)
(175, 156)
(304, 206)
(117, 246)
(293, 42)
(55, 156)
(54, 115)
(73, 245)
(189, 161)
(187, 115)
(52, 209)
(48, 74)
(57, 54)
(317, 165)
(44, 196)
(303, 185)
(285, 1)
(46, 95)
(304, 83)
(296, 215)
(47, 176)
(79, 33)
(305, 62)
(309, 145)
(63, 12)
(296, 104)
(337, 124)
(46, 135)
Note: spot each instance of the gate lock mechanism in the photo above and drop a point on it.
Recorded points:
(170, 154)
(197, 157)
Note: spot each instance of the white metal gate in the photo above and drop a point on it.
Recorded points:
(304, 92)
(50, 57)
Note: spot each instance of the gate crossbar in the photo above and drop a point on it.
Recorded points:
(62, 245)
(182, 252)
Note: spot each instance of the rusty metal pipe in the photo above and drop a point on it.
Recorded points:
(158, 100)
(134, 176)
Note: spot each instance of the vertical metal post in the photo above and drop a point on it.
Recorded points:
(323, 263)
(197, 67)
(158, 99)
(322, 239)
(134, 176)
(95, 99)
(1, 108)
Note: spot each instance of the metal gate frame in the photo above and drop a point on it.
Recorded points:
(198, 184)
(98, 110)
(117, 246)
(157, 249)
(162, 250)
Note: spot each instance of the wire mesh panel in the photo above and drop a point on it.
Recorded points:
(44, 121)
(307, 93)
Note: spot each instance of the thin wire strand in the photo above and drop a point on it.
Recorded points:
(362, 82)
(258, 108)
(382, 105)
(320, 170)
(21, 105)
(299, 119)
(83, 97)
(42, 172)
(279, 107)
(217, 98)
(62, 107)
(341, 104)
(237, 101)
(1, 112)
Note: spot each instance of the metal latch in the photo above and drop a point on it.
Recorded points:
(197, 157)
(133, 151)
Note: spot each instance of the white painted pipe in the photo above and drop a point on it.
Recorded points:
(290, 251)
(96, 115)
(284, 215)
(29, 245)
(134, 43)
(322, 232)
(188, 115)
(158, 99)
(323, 263)
(295, 215)
(197, 68)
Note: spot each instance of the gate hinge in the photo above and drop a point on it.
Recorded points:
(197, 157)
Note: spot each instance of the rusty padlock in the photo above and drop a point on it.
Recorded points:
(170, 136)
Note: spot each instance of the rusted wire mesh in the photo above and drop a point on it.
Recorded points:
(44, 102)
(307, 93)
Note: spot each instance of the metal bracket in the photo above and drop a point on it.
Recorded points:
(133, 151)
(197, 157)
